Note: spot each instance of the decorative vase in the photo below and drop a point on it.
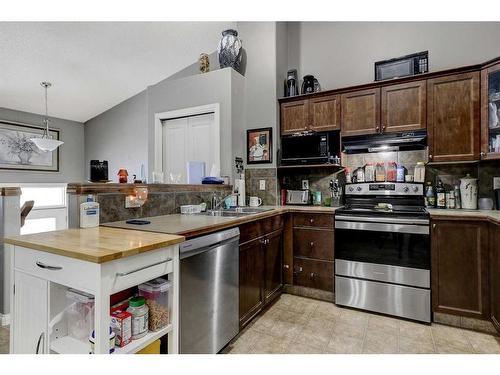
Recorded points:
(229, 50)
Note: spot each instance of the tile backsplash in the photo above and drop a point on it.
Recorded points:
(269, 196)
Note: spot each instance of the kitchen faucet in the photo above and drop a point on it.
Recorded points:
(217, 202)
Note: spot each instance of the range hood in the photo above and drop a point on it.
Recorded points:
(415, 140)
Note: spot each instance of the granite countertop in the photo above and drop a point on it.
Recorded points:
(492, 215)
(195, 225)
(97, 245)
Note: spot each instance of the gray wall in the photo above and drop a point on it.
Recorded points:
(119, 136)
(343, 53)
(71, 157)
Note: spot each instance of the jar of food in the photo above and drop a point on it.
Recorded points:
(359, 175)
(156, 294)
(380, 172)
(348, 175)
(391, 171)
(419, 172)
(140, 316)
(401, 173)
(369, 172)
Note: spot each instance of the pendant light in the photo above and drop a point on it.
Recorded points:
(46, 143)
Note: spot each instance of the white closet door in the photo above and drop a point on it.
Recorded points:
(200, 137)
(174, 148)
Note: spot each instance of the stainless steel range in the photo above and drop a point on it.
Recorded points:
(382, 250)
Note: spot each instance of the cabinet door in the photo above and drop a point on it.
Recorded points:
(294, 117)
(325, 113)
(495, 274)
(313, 243)
(459, 263)
(251, 279)
(404, 107)
(273, 256)
(490, 112)
(30, 314)
(312, 273)
(453, 117)
(360, 112)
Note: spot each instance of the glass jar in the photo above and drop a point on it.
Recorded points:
(419, 172)
(369, 172)
(391, 171)
(380, 172)
(140, 316)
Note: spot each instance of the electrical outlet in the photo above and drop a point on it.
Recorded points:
(262, 184)
(305, 184)
(496, 182)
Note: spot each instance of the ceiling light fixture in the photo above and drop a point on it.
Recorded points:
(46, 143)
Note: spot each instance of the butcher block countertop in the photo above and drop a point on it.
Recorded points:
(195, 225)
(97, 245)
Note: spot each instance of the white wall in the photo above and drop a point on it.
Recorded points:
(342, 54)
(120, 136)
(71, 157)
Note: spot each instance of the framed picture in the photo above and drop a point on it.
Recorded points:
(260, 146)
(17, 152)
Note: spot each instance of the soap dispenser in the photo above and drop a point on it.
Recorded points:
(89, 213)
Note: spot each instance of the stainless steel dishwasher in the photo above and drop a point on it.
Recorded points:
(209, 295)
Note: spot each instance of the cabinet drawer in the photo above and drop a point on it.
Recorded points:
(59, 269)
(313, 243)
(313, 273)
(260, 228)
(313, 220)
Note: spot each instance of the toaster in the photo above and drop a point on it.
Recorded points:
(297, 197)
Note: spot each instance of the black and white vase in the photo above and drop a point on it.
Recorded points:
(229, 50)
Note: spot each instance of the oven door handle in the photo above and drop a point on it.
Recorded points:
(383, 227)
(392, 220)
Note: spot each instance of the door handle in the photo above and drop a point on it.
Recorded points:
(42, 336)
(47, 267)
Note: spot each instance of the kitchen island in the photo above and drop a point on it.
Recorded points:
(97, 261)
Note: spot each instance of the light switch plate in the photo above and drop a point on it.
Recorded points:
(305, 184)
(262, 184)
(496, 182)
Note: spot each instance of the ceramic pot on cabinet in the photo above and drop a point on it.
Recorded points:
(468, 192)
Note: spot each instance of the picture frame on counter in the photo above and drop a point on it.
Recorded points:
(19, 153)
(260, 146)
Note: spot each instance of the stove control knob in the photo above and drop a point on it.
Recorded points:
(358, 188)
(406, 189)
(351, 189)
(415, 189)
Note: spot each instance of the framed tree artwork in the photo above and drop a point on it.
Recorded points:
(18, 152)
(260, 146)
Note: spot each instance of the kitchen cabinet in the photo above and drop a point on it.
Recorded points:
(31, 308)
(315, 114)
(360, 112)
(495, 273)
(490, 112)
(294, 117)
(453, 117)
(314, 274)
(460, 267)
(404, 107)
(261, 265)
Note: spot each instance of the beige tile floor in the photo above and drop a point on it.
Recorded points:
(300, 325)
(4, 340)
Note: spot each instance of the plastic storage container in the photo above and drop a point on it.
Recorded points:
(140, 315)
(419, 172)
(391, 172)
(369, 172)
(156, 293)
(80, 314)
(380, 172)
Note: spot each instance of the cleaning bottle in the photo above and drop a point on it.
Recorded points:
(89, 213)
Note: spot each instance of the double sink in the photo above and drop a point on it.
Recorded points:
(235, 212)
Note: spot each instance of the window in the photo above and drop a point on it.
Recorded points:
(185, 139)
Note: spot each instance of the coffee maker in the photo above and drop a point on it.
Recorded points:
(291, 83)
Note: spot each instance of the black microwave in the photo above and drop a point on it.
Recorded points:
(408, 65)
(310, 148)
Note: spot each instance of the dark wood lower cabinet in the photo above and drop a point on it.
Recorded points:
(313, 243)
(311, 273)
(460, 268)
(261, 266)
(495, 273)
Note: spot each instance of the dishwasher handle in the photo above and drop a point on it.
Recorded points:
(190, 253)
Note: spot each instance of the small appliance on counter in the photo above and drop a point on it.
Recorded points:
(292, 88)
(308, 84)
(298, 197)
(239, 183)
(99, 171)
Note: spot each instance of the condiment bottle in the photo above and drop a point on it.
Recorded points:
(440, 195)
(430, 198)
(391, 172)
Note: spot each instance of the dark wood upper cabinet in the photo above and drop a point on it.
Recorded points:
(490, 112)
(325, 113)
(404, 107)
(453, 117)
(495, 273)
(273, 268)
(460, 268)
(294, 117)
(360, 113)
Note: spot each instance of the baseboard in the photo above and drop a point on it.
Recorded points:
(303, 291)
(4, 319)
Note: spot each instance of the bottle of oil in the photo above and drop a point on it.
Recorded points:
(430, 198)
(440, 195)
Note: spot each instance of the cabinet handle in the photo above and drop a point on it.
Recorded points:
(312, 275)
(433, 225)
(383, 127)
(286, 266)
(312, 244)
(47, 267)
(430, 156)
(311, 221)
(300, 269)
(42, 336)
(483, 154)
(142, 268)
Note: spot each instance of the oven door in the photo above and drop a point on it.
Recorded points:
(402, 243)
